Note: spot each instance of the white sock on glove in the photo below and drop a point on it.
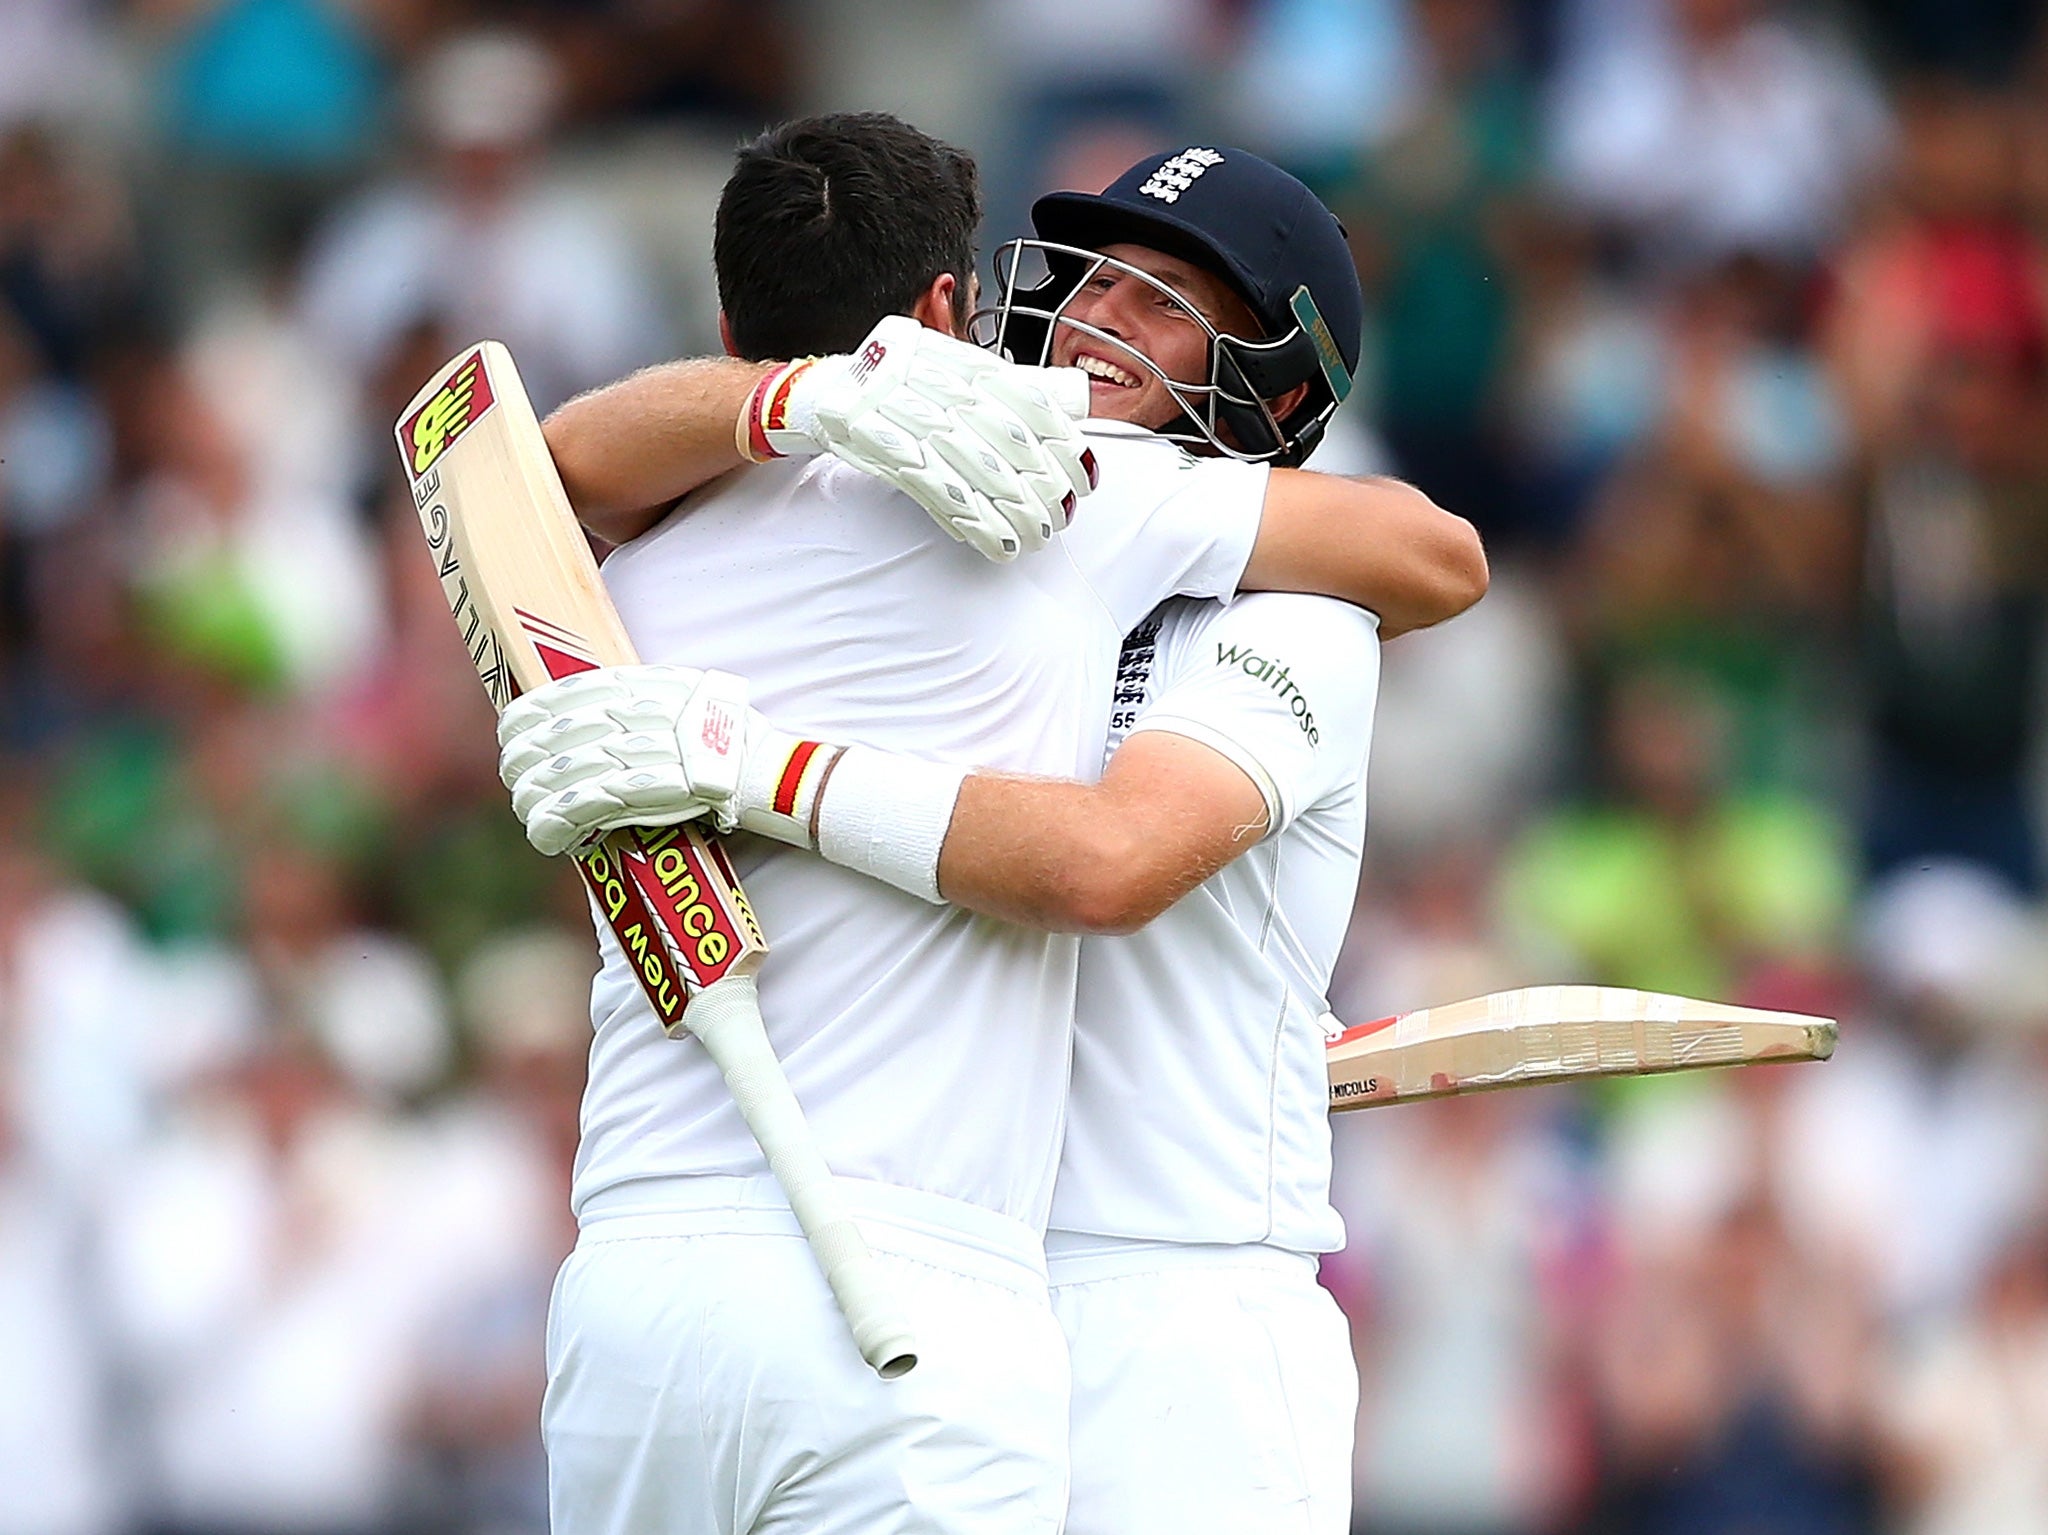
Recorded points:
(778, 792)
(886, 816)
(875, 812)
(778, 419)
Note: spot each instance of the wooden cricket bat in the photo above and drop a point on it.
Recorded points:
(524, 588)
(1558, 1034)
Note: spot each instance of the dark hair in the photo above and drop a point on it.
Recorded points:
(830, 223)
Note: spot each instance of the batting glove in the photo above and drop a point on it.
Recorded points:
(652, 746)
(988, 447)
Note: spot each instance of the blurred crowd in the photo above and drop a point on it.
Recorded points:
(1725, 320)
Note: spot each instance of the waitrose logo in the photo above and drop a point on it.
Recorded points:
(1275, 677)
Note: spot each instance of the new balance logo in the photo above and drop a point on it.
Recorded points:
(717, 733)
(870, 359)
(1177, 174)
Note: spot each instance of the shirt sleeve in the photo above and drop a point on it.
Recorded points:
(1162, 523)
(1285, 687)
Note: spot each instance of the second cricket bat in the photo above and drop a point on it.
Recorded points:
(1558, 1034)
(525, 591)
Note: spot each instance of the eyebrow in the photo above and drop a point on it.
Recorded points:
(1204, 305)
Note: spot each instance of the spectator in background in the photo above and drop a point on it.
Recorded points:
(1732, 1393)
(1928, 1151)
(56, 1457)
(54, 461)
(70, 272)
(1473, 716)
(1940, 337)
(1585, 385)
(1675, 880)
(729, 62)
(1967, 1409)
(1657, 427)
(281, 1239)
(1705, 128)
(1469, 1245)
(1314, 80)
(75, 1006)
(74, 1026)
(267, 109)
(368, 996)
(296, 531)
(1945, 261)
(188, 608)
(481, 243)
(1723, 542)
(1959, 565)
(503, 1148)
(261, 1295)
(1431, 211)
(68, 281)
(1072, 69)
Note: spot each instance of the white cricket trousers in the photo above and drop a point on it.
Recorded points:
(702, 1382)
(1214, 1390)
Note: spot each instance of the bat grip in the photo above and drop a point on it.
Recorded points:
(726, 1018)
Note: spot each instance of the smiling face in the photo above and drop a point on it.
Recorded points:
(1167, 330)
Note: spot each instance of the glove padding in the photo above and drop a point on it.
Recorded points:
(989, 448)
(603, 750)
(624, 746)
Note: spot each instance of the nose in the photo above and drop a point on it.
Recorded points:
(1107, 310)
(1115, 311)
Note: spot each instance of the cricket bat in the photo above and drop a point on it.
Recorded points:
(524, 588)
(1558, 1034)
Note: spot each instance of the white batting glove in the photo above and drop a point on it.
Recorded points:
(652, 746)
(988, 447)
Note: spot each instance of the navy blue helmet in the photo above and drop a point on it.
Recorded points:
(1243, 218)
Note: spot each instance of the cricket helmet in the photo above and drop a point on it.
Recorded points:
(1251, 223)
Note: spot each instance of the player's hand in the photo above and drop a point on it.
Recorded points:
(603, 749)
(641, 746)
(990, 448)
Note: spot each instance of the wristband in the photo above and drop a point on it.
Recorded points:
(886, 816)
(765, 429)
(782, 802)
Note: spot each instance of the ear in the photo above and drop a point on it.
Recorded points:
(934, 308)
(725, 335)
(1287, 403)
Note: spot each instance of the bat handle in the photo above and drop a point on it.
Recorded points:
(726, 1017)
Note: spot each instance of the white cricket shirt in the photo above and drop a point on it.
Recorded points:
(1199, 1110)
(929, 1047)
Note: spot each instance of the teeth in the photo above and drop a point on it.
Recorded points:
(1102, 368)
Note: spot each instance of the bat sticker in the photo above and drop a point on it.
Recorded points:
(453, 409)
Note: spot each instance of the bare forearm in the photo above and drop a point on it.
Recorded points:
(1009, 852)
(1377, 543)
(1035, 852)
(629, 450)
(1099, 858)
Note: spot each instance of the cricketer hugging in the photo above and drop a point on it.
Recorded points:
(1052, 917)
